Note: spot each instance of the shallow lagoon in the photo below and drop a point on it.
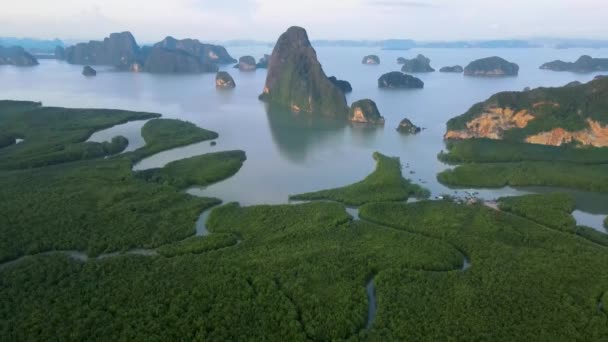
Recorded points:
(289, 153)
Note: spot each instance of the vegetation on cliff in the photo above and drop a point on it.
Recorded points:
(365, 111)
(17, 56)
(297, 81)
(415, 65)
(399, 80)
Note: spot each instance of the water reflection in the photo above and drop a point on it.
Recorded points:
(296, 134)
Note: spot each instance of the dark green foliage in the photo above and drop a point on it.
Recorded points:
(606, 223)
(552, 210)
(297, 81)
(6, 140)
(164, 134)
(384, 184)
(565, 175)
(93, 206)
(520, 269)
(575, 104)
(498, 151)
(365, 111)
(592, 235)
(198, 245)
(54, 135)
(199, 170)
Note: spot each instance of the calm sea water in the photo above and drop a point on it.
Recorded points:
(288, 153)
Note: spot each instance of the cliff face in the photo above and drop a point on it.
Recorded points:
(492, 123)
(296, 79)
(399, 80)
(365, 111)
(16, 56)
(549, 116)
(120, 50)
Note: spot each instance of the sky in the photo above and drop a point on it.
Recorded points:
(212, 20)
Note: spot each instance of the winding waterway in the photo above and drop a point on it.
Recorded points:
(286, 153)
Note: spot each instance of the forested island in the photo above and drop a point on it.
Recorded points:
(545, 137)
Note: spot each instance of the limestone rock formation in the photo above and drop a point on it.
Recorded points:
(159, 60)
(343, 85)
(455, 69)
(263, 62)
(401, 60)
(399, 80)
(583, 64)
(17, 56)
(120, 50)
(246, 63)
(88, 71)
(206, 53)
(407, 127)
(296, 79)
(223, 80)
(491, 67)
(418, 64)
(59, 53)
(573, 113)
(371, 60)
(365, 111)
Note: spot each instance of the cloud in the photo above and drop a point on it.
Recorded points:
(397, 3)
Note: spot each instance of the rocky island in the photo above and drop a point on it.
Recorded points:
(583, 64)
(573, 114)
(365, 111)
(418, 64)
(297, 81)
(263, 62)
(407, 127)
(246, 63)
(454, 69)
(399, 80)
(167, 56)
(223, 80)
(371, 60)
(159, 60)
(119, 50)
(491, 67)
(17, 56)
(88, 71)
(343, 85)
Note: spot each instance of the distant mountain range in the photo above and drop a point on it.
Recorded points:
(48, 46)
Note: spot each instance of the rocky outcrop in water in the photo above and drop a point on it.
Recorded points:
(399, 80)
(206, 53)
(159, 60)
(455, 69)
(263, 62)
(583, 64)
(407, 127)
(167, 56)
(246, 63)
(365, 111)
(17, 56)
(418, 64)
(88, 71)
(576, 114)
(296, 79)
(343, 85)
(371, 60)
(119, 50)
(401, 60)
(491, 67)
(59, 53)
(223, 80)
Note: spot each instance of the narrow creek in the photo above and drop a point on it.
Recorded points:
(372, 306)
